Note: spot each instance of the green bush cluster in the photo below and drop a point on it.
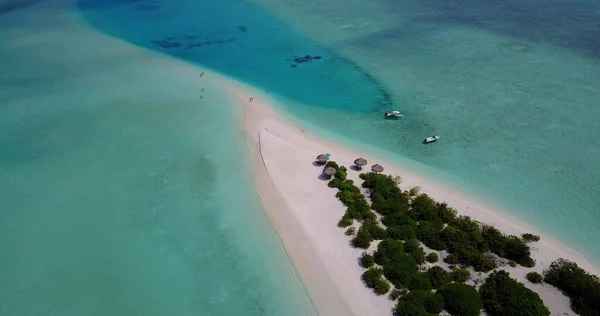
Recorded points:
(333, 164)
(439, 228)
(366, 260)
(581, 287)
(460, 275)
(341, 174)
(357, 209)
(527, 237)
(374, 280)
(417, 303)
(503, 295)
(461, 299)
(534, 277)
(411, 218)
(432, 258)
(400, 266)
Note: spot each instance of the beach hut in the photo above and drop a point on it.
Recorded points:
(360, 162)
(377, 168)
(329, 171)
(322, 159)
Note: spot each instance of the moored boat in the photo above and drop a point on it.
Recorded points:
(431, 139)
(394, 114)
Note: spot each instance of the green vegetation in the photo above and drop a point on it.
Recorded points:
(366, 260)
(408, 214)
(534, 277)
(350, 231)
(332, 163)
(581, 287)
(373, 279)
(461, 299)
(340, 174)
(438, 277)
(460, 275)
(432, 258)
(362, 239)
(412, 218)
(527, 237)
(417, 303)
(503, 295)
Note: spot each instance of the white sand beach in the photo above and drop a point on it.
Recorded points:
(305, 213)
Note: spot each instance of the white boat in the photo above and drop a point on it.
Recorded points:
(431, 139)
(394, 114)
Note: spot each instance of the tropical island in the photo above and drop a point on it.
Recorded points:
(402, 250)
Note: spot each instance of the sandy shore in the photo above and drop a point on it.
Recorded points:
(305, 213)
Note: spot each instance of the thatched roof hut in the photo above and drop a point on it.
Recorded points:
(329, 171)
(322, 159)
(360, 162)
(377, 168)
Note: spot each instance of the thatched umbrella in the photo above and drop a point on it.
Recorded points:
(322, 158)
(329, 171)
(377, 168)
(360, 162)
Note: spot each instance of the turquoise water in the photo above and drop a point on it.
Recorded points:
(117, 182)
(123, 193)
(511, 87)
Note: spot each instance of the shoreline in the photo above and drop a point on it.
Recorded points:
(274, 136)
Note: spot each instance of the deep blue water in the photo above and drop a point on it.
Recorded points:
(242, 41)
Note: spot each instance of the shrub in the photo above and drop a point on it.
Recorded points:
(518, 251)
(581, 287)
(430, 236)
(414, 191)
(451, 259)
(373, 279)
(345, 222)
(419, 255)
(534, 277)
(527, 237)
(438, 277)
(340, 174)
(382, 287)
(446, 213)
(332, 164)
(400, 269)
(461, 299)
(460, 275)
(512, 263)
(334, 183)
(388, 251)
(420, 281)
(376, 231)
(398, 219)
(423, 208)
(503, 295)
(411, 245)
(362, 239)
(417, 303)
(350, 231)
(366, 260)
(396, 293)
(510, 247)
(402, 232)
(432, 258)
